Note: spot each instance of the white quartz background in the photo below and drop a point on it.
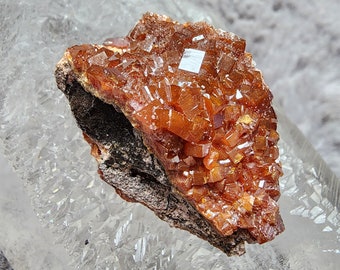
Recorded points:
(295, 43)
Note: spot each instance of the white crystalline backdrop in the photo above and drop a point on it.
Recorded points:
(295, 44)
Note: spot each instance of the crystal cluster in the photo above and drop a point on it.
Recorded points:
(203, 110)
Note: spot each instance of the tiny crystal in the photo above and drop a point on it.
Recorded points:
(197, 38)
(192, 60)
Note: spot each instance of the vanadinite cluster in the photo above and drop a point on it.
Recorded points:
(203, 109)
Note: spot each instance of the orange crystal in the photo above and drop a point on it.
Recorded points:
(204, 111)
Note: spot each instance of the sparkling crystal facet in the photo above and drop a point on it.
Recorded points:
(191, 60)
(203, 109)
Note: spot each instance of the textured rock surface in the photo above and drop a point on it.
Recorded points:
(202, 108)
(4, 264)
(126, 164)
(302, 36)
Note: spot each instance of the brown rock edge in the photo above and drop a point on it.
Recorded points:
(127, 165)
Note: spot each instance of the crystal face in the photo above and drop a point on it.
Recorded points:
(191, 60)
(203, 109)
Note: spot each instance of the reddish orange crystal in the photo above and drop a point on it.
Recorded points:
(204, 111)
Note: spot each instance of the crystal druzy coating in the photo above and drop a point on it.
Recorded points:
(203, 109)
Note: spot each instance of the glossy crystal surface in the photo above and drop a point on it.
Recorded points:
(39, 136)
(205, 112)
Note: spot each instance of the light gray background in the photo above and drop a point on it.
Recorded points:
(297, 46)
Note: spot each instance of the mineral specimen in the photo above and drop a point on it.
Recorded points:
(203, 110)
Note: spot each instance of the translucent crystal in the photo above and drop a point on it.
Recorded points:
(191, 60)
(40, 138)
